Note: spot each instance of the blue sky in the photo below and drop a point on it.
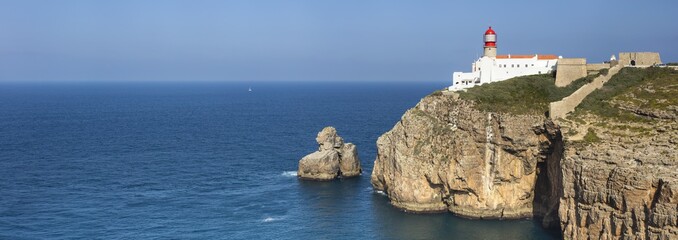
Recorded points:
(361, 40)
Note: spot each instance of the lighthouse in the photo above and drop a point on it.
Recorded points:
(490, 48)
(493, 68)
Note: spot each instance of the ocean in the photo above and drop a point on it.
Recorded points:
(206, 160)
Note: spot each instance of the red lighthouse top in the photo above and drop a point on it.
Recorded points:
(489, 31)
(490, 38)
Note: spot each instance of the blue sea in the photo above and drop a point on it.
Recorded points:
(205, 161)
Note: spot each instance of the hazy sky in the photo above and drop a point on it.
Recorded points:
(313, 40)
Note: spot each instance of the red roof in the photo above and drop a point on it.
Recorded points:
(547, 57)
(539, 57)
(489, 31)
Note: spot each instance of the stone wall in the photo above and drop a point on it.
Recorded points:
(570, 69)
(561, 108)
(640, 58)
(594, 67)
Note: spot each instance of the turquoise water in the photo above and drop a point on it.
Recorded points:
(204, 161)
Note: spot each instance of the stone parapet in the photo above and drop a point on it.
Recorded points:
(639, 58)
(561, 108)
(597, 66)
(570, 69)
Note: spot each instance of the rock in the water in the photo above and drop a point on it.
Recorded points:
(333, 159)
(350, 163)
(328, 139)
(319, 165)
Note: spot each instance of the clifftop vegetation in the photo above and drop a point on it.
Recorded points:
(654, 90)
(634, 94)
(521, 95)
(634, 102)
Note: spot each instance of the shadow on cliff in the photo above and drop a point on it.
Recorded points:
(549, 187)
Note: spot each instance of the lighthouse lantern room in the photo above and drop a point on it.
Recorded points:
(490, 48)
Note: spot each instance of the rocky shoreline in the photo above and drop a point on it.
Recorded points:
(446, 155)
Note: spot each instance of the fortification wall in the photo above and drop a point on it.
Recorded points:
(640, 58)
(570, 69)
(597, 66)
(561, 108)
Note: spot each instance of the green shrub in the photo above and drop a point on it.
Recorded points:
(604, 71)
(591, 136)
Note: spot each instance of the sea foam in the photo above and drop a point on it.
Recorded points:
(271, 219)
(289, 173)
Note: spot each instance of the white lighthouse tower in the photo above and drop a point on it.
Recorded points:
(493, 68)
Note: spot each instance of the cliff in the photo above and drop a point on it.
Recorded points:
(620, 166)
(487, 155)
(446, 156)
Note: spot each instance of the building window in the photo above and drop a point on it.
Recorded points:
(533, 64)
(511, 65)
(504, 65)
(525, 65)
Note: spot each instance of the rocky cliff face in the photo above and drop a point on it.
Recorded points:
(623, 188)
(445, 155)
(620, 180)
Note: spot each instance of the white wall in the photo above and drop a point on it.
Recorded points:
(488, 69)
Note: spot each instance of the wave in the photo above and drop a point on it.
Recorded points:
(289, 173)
(372, 190)
(272, 219)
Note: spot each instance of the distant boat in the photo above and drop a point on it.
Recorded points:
(250, 89)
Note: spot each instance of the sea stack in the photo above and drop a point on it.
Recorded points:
(333, 159)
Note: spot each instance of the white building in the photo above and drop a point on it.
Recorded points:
(493, 68)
